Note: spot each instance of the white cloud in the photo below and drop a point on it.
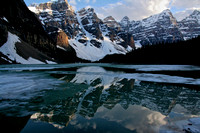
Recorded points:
(183, 14)
(186, 3)
(88, 6)
(72, 2)
(134, 9)
(158, 5)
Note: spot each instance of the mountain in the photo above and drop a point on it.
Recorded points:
(190, 26)
(125, 24)
(161, 27)
(24, 40)
(111, 23)
(87, 34)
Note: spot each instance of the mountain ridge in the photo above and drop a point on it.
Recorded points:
(185, 29)
(161, 27)
(154, 29)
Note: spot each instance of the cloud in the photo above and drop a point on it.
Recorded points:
(158, 5)
(187, 6)
(134, 9)
(183, 14)
(186, 3)
(88, 1)
(72, 2)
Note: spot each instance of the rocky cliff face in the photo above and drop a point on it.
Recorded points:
(190, 26)
(56, 15)
(88, 35)
(90, 22)
(19, 25)
(62, 40)
(26, 25)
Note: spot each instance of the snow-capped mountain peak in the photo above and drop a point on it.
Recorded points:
(190, 26)
(166, 11)
(125, 19)
(125, 22)
(154, 29)
(195, 16)
(166, 15)
(173, 20)
(196, 12)
(111, 22)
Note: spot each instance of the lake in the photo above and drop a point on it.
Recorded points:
(99, 98)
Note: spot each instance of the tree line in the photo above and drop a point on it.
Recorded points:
(181, 52)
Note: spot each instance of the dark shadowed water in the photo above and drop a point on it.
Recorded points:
(99, 98)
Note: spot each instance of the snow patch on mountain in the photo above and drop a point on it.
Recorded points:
(9, 50)
(138, 44)
(88, 50)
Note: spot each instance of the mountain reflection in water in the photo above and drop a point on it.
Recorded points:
(96, 99)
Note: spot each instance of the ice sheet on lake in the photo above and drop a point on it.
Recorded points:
(90, 72)
(160, 67)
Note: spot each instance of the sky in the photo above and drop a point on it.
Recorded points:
(134, 9)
